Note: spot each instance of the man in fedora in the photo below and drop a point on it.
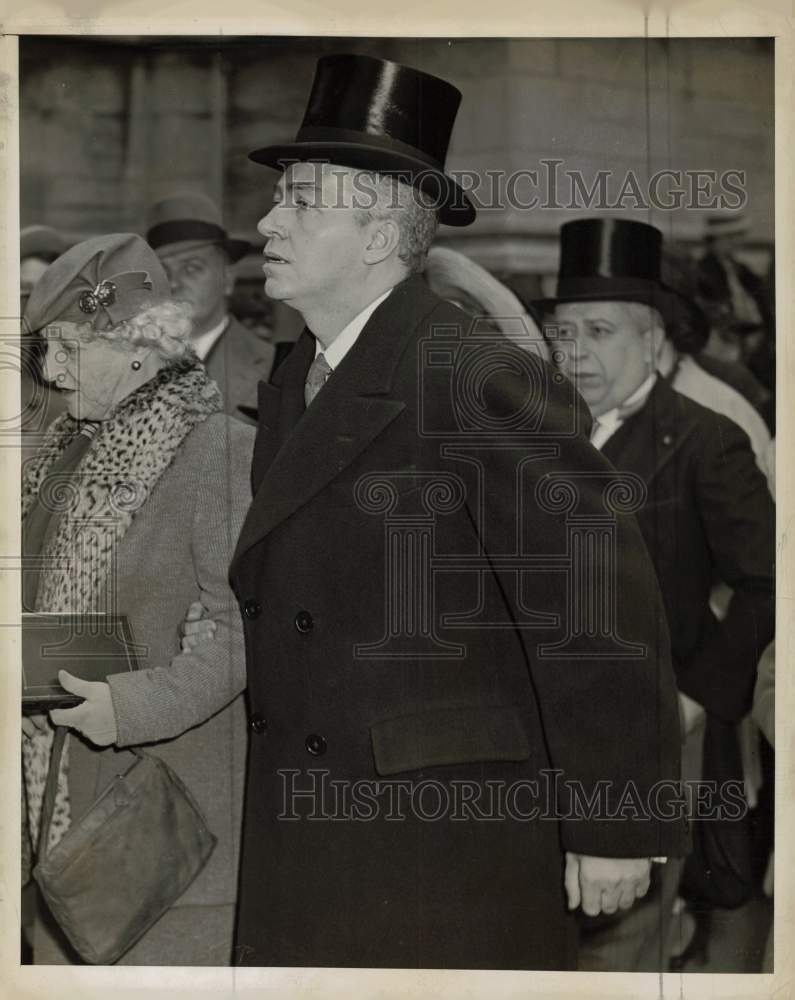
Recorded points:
(412, 677)
(707, 513)
(198, 255)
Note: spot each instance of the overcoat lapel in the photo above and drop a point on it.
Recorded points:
(648, 440)
(307, 448)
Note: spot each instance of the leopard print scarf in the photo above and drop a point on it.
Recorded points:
(97, 504)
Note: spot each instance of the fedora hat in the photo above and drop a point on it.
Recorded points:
(41, 241)
(372, 114)
(728, 224)
(620, 260)
(187, 221)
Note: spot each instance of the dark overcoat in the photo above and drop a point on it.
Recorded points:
(708, 517)
(411, 580)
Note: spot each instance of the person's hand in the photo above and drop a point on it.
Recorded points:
(196, 628)
(604, 885)
(32, 724)
(95, 717)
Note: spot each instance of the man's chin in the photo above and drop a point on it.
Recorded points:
(276, 289)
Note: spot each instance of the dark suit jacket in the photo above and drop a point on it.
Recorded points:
(708, 517)
(365, 666)
(238, 361)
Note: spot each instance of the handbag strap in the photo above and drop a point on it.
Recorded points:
(50, 790)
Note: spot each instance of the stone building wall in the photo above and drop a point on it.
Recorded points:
(107, 125)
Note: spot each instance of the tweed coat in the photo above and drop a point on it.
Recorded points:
(239, 359)
(708, 516)
(351, 681)
(185, 707)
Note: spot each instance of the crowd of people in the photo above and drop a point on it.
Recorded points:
(435, 427)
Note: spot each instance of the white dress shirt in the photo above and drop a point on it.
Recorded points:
(604, 427)
(349, 334)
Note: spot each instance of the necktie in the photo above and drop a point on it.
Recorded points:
(316, 377)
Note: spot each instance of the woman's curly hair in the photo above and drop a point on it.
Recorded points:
(164, 327)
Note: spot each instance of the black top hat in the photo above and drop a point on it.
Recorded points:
(372, 114)
(620, 260)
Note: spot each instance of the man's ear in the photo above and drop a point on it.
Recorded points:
(383, 242)
(655, 337)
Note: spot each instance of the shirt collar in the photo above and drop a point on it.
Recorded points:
(205, 342)
(608, 423)
(348, 335)
(638, 396)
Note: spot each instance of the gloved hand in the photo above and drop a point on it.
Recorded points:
(95, 717)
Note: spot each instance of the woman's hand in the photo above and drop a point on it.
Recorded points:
(95, 717)
(196, 628)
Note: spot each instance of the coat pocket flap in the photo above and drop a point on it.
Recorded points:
(449, 736)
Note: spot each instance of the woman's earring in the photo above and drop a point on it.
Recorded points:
(136, 366)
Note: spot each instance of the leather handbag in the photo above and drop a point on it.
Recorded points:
(126, 861)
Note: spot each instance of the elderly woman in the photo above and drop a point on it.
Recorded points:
(158, 485)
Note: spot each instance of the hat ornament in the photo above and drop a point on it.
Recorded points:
(103, 295)
(112, 291)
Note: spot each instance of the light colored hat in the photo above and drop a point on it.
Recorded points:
(188, 221)
(453, 276)
(41, 241)
(101, 281)
(729, 224)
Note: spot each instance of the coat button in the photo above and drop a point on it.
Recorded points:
(667, 439)
(257, 724)
(304, 621)
(316, 745)
(252, 608)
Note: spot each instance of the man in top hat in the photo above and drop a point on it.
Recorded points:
(411, 675)
(198, 255)
(707, 512)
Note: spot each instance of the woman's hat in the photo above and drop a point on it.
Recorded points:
(101, 281)
(188, 221)
(372, 114)
(618, 260)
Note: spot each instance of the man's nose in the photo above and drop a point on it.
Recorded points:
(270, 225)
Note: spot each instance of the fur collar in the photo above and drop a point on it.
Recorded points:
(97, 503)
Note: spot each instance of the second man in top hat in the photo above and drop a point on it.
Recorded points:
(706, 516)
(198, 255)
